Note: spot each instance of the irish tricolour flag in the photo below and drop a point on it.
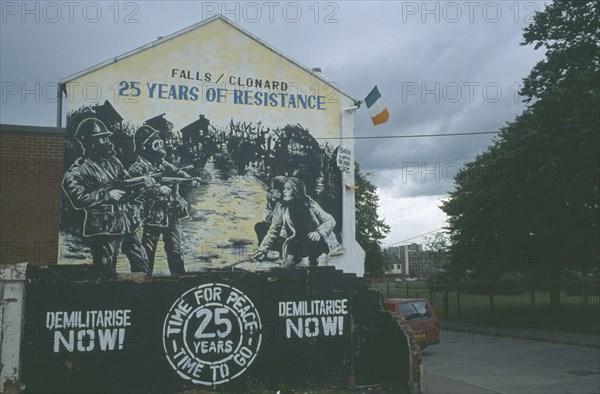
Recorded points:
(377, 109)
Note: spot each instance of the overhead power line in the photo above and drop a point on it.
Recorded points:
(374, 137)
(417, 236)
(451, 134)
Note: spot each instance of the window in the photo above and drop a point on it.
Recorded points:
(415, 310)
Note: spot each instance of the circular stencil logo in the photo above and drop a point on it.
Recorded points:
(211, 334)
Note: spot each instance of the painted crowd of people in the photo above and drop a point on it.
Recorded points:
(135, 184)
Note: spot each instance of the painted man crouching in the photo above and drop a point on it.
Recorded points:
(305, 226)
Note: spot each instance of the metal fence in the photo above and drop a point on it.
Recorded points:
(577, 312)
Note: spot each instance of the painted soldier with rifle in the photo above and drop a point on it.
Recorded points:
(162, 206)
(96, 183)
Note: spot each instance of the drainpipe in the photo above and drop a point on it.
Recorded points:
(59, 98)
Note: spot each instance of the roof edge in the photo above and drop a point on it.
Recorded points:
(194, 27)
(14, 128)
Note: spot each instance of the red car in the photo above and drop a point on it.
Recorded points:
(419, 315)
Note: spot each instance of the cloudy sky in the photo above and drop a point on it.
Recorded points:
(442, 67)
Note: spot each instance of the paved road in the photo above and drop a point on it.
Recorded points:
(471, 363)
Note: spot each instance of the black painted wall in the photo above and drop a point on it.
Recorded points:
(367, 348)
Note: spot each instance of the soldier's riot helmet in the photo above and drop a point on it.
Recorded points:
(91, 128)
(145, 134)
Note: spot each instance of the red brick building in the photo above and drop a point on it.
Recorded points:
(31, 160)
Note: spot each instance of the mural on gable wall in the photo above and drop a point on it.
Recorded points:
(209, 150)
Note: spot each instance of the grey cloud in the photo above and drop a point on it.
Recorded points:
(371, 43)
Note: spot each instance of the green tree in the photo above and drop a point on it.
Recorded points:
(530, 202)
(438, 244)
(370, 229)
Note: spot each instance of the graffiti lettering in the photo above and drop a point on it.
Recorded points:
(86, 331)
(257, 83)
(284, 100)
(313, 326)
(216, 325)
(163, 91)
(88, 340)
(217, 347)
(314, 307)
(191, 75)
(171, 92)
(91, 319)
(314, 318)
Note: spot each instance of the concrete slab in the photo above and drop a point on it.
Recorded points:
(439, 384)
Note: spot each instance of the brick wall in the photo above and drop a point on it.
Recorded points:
(30, 174)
